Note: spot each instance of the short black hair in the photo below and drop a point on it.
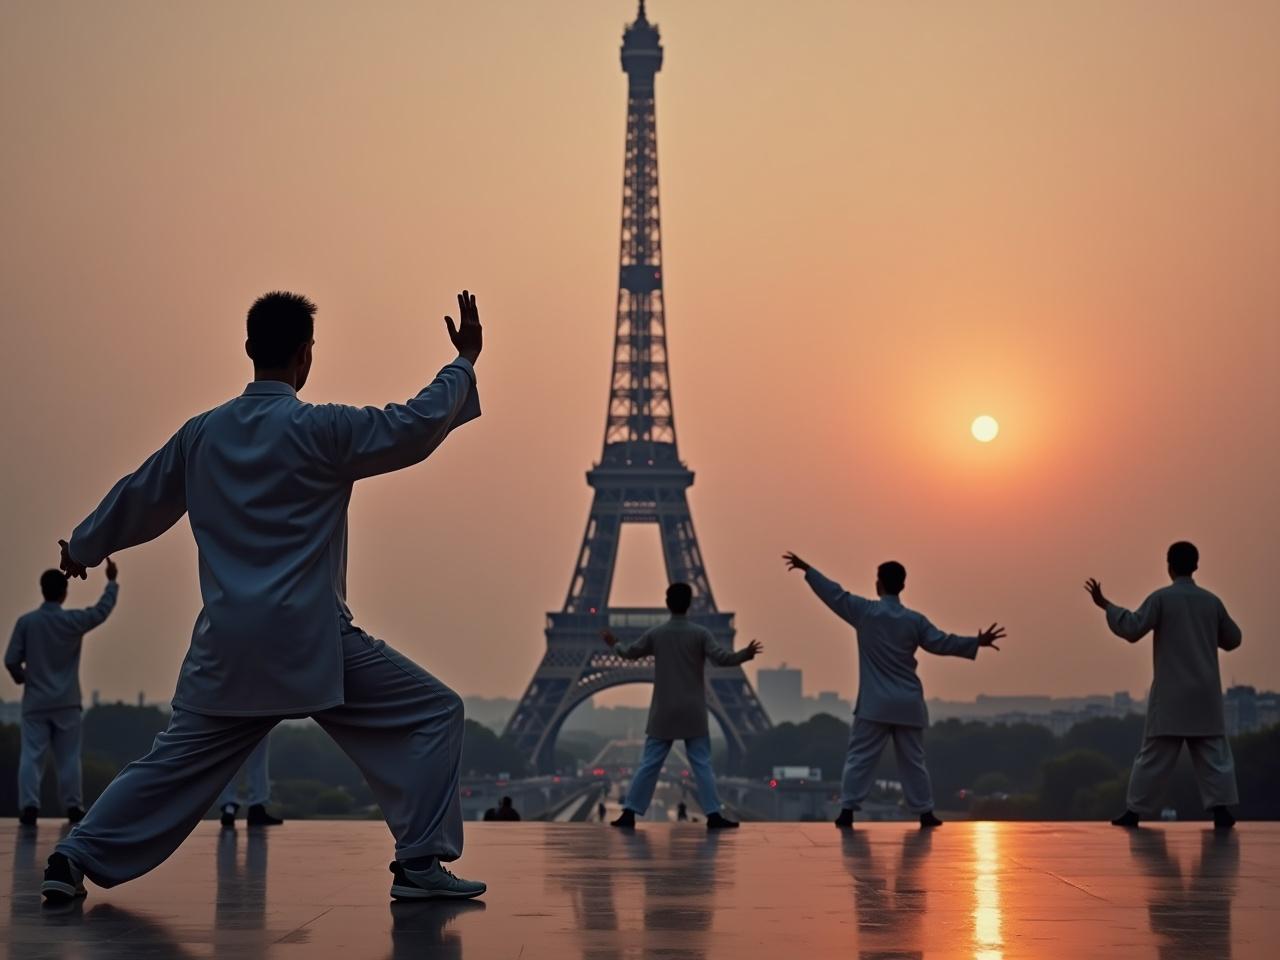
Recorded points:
(53, 584)
(279, 323)
(892, 576)
(1183, 558)
(679, 597)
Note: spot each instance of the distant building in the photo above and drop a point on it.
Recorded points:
(10, 711)
(781, 690)
(1247, 710)
(828, 701)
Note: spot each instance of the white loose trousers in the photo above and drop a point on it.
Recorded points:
(867, 741)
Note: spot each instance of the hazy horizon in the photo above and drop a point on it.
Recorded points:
(880, 221)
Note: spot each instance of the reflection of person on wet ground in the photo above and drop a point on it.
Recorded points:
(1191, 917)
(241, 903)
(898, 914)
(426, 928)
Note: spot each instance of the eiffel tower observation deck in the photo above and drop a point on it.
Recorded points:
(640, 477)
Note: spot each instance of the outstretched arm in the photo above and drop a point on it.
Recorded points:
(1131, 625)
(139, 508)
(642, 646)
(369, 440)
(85, 620)
(845, 605)
(724, 657)
(952, 645)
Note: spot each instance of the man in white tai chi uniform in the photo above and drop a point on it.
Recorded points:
(265, 481)
(44, 659)
(257, 775)
(678, 711)
(890, 703)
(1185, 704)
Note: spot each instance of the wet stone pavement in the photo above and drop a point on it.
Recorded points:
(981, 891)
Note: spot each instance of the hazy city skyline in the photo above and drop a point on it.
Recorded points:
(881, 222)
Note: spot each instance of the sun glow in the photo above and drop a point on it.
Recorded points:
(984, 428)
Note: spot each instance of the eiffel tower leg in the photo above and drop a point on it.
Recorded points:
(681, 552)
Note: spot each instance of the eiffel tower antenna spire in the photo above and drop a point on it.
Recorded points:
(639, 478)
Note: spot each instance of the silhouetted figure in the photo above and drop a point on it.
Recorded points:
(265, 481)
(682, 811)
(890, 704)
(678, 710)
(43, 657)
(1185, 703)
(602, 811)
(506, 811)
(257, 775)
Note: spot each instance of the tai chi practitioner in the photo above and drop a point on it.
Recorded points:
(678, 711)
(265, 481)
(257, 776)
(890, 704)
(1185, 704)
(44, 658)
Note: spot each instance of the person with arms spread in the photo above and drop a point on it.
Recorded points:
(890, 704)
(680, 649)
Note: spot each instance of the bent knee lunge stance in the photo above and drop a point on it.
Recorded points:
(265, 481)
(1185, 704)
(890, 703)
(678, 711)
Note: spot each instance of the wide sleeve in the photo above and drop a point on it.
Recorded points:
(946, 644)
(86, 619)
(721, 655)
(367, 441)
(845, 605)
(1133, 625)
(16, 653)
(1229, 635)
(642, 646)
(139, 507)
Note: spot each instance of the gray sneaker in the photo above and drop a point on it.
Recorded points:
(434, 883)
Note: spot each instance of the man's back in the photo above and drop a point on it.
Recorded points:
(889, 689)
(680, 649)
(1190, 625)
(48, 641)
(266, 480)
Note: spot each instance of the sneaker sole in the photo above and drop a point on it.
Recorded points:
(55, 891)
(402, 892)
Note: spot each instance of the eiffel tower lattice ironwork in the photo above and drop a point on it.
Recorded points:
(639, 479)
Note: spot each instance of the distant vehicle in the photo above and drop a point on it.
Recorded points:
(797, 773)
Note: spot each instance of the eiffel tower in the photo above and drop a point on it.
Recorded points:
(639, 479)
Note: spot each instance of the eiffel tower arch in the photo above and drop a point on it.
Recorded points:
(640, 477)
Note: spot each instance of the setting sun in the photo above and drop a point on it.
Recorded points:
(985, 428)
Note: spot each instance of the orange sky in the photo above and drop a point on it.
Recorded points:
(880, 221)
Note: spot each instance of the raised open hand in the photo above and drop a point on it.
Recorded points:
(794, 562)
(989, 636)
(68, 566)
(112, 570)
(1094, 589)
(467, 336)
(755, 648)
